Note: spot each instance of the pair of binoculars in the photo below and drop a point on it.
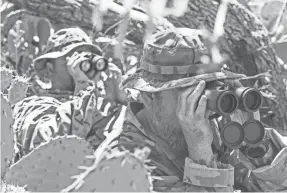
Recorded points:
(96, 62)
(233, 134)
(225, 102)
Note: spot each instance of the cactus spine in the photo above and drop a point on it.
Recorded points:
(6, 78)
(16, 86)
(118, 171)
(7, 143)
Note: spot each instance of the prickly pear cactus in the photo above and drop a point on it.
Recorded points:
(6, 78)
(7, 143)
(18, 90)
(116, 172)
(50, 166)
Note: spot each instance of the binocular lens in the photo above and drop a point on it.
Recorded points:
(221, 101)
(101, 64)
(254, 131)
(97, 63)
(228, 103)
(85, 66)
(232, 135)
(252, 100)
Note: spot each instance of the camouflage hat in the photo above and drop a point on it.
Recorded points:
(171, 59)
(65, 41)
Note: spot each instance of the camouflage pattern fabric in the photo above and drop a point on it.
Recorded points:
(40, 118)
(230, 170)
(50, 113)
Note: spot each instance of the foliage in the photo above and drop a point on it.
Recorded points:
(26, 35)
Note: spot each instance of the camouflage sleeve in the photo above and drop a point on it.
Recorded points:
(173, 184)
(78, 114)
(268, 173)
(104, 122)
(197, 178)
(218, 175)
(38, 119)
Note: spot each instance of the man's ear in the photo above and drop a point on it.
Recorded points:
(50, 68)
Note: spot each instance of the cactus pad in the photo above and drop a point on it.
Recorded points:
(50, 166)
(18, 90)
(117, 172)
(7, 143)
(6, 77)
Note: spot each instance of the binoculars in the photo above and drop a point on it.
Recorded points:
(233, 134)
(227, 101)
(96, 62)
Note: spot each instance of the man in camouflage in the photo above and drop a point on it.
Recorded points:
(185, 146)
(67, 100)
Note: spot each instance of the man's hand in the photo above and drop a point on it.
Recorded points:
(194, 121)
(111, 80)
(81, 78)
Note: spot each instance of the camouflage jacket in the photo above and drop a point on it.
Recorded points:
(39, 118)
(230, 170)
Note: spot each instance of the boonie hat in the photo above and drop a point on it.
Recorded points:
(65, 41)
(172, 58)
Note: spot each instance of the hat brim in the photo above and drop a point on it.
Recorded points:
(137, 82)
(58, 54)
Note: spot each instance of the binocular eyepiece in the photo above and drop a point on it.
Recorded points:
(225, 102)
(96, 62)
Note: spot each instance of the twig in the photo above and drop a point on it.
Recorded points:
(218, 31)
(112, 26)
(261, 75)
(219, 20)
(136, 15)
(279, 18)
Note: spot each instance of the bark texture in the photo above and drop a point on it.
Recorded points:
(245, 41)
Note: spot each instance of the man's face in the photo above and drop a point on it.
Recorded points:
(164, 111)
(62, 79)
(164, 118)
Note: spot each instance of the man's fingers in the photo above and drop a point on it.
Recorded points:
(208, 112)
(80, 58)
(194, 97)
(201, 108)
(113, 67)
(71, 60)
(182, 100)
(91, 74)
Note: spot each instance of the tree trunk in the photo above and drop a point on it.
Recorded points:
(245, 41)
